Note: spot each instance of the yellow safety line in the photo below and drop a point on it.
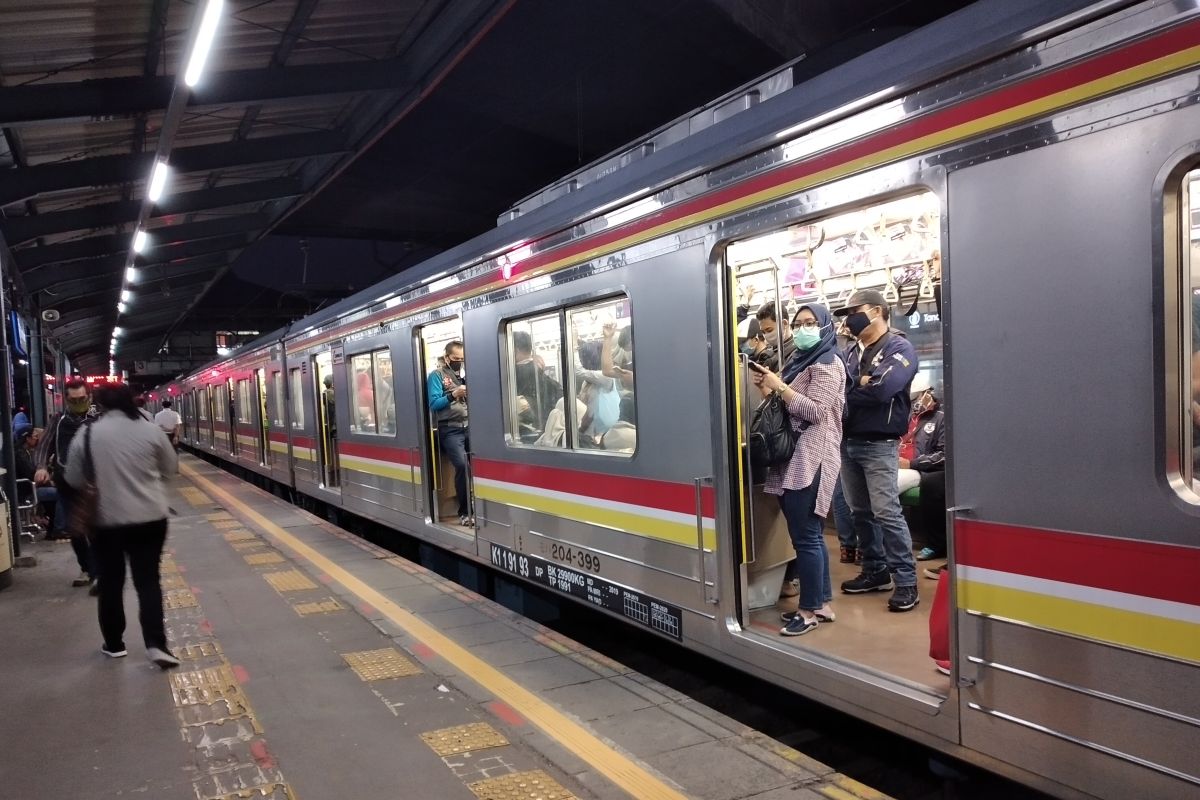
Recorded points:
(618, 768)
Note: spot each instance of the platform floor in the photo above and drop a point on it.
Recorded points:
(319, 666)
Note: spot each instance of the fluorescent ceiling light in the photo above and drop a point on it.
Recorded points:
(117, 332)
(158, 181)
(204, 40)
(131, 275)
(126, 295)
(139, 241)
(121, 307)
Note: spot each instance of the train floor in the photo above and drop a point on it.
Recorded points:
(865, 632)
(316, 665)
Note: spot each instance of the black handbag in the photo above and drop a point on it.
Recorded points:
(772, 439)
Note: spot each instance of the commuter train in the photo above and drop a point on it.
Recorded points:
(1046, 153)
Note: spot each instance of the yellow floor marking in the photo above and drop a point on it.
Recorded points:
(860, 790)
(327, 606)
(289, 580)
(532, 785)
(225, 523)
(258, 559)
(379, 665)
(277, 791)
(179, 598)
(618, 768)
(464, 739)
(241, 535)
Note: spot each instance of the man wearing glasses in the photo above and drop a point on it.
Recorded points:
(879, 371)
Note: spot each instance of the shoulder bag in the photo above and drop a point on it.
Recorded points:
(772, 439)
(82, 518)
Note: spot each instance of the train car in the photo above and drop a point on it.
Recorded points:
(1016, 179)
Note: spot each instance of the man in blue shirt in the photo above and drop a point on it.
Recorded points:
(879, 371)
(447, 391)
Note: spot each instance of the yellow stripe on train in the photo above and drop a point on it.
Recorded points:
(399, 472)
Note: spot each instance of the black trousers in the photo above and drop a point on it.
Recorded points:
(143, 544)
(932, 510)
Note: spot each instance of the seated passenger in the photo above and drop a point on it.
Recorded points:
(600, 394)
(555, 434)
(537, 392)
(923, 464)
(622, 437)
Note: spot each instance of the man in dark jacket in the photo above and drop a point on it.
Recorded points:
(51, 461)
(879, 371)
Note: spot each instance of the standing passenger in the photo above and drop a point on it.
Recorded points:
(168, 420)
(51, 460)
(876, 416)
(128, 461)
(447, 390)
(812, 387)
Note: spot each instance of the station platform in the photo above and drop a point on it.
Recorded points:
(317, 665)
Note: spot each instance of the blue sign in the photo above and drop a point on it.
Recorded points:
(19, 335)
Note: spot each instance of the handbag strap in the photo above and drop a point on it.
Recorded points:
(89, 467)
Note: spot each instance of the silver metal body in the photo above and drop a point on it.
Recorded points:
(1051, 228)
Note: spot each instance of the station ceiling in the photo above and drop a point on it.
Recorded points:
(332, 143)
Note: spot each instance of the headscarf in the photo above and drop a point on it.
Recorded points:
(823, 352)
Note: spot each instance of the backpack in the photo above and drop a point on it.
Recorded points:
(772, 439)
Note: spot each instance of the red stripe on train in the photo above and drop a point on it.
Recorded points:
(664, 495)
(394, 455)
(1147, 569)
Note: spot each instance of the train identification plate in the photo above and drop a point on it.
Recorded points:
(653, 614)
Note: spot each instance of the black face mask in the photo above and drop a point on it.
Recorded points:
(858, 322)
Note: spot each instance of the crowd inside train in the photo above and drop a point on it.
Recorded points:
(868, 429)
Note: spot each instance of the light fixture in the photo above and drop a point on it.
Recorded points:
(204, 40)
(131, 274)
(158, 181)
(118, 332)
(126, 295)
(139, 241)
(121, 307)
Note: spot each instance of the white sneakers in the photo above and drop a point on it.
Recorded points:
(163, 658)
(120, 653)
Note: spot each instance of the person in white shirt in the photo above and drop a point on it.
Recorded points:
(129, 463)
(169, 420)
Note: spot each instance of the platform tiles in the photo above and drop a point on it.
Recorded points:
(341, 670)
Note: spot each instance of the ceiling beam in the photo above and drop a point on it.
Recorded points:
(19, 184)
(168, 235)
(122, 97)
(23, 229)
(111, 267)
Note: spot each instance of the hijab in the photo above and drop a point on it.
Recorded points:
(823, 352)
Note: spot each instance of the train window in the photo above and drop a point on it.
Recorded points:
(1189, 331)
(385, 394)
(203, 403)
(601, 378)
(535, 415)
(245, 401)
(362, 394)
(297, 389)
(221, 404)
(277, 398)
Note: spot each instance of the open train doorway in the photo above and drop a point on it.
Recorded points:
(327, 434)
(446, 442)
(890, 247)
(264, 421)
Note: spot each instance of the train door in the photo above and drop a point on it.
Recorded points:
(323, 392)
(445, 439)
(264, 427)
(891, 246)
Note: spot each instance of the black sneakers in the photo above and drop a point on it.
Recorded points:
(868, 582)
(905, 598)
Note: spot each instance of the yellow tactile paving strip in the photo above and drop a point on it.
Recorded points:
(327, 606)
(258, 559)
(239, 536)
(244, 547)
(623, 771)
(532, 785)
(464, 739)
(378, 665)
(195, 652)
(221, 524)
(280, 791)
(291, 580)
(179, 598)
(194, 496)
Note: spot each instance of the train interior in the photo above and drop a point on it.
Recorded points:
(327, 438)
(892, 246)
(440, 493)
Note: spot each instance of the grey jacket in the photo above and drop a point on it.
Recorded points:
(133, 458)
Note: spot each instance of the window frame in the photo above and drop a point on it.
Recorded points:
(352, 381)
(566, 364)
(295, 395)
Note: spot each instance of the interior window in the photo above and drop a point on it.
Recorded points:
(277, 398)
(297, 387)
(385, 396)
(1189, 462)
(601, 377)
(362, 393)
(221, 404)
(535, 382)
(204, 404)
(244, 400)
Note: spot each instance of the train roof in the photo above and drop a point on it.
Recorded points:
(977, 33)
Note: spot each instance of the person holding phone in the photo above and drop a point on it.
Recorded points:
(812, 387)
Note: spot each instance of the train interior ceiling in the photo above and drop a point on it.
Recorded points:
(892, 246)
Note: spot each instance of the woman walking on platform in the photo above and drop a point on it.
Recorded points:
(128, 460)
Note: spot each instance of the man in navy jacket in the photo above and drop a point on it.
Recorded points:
(879, 371)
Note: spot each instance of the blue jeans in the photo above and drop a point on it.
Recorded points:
(454, 444)
(808, 538)
(869, 481)
(843, 520)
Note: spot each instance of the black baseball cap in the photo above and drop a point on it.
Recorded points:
(862, 297)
